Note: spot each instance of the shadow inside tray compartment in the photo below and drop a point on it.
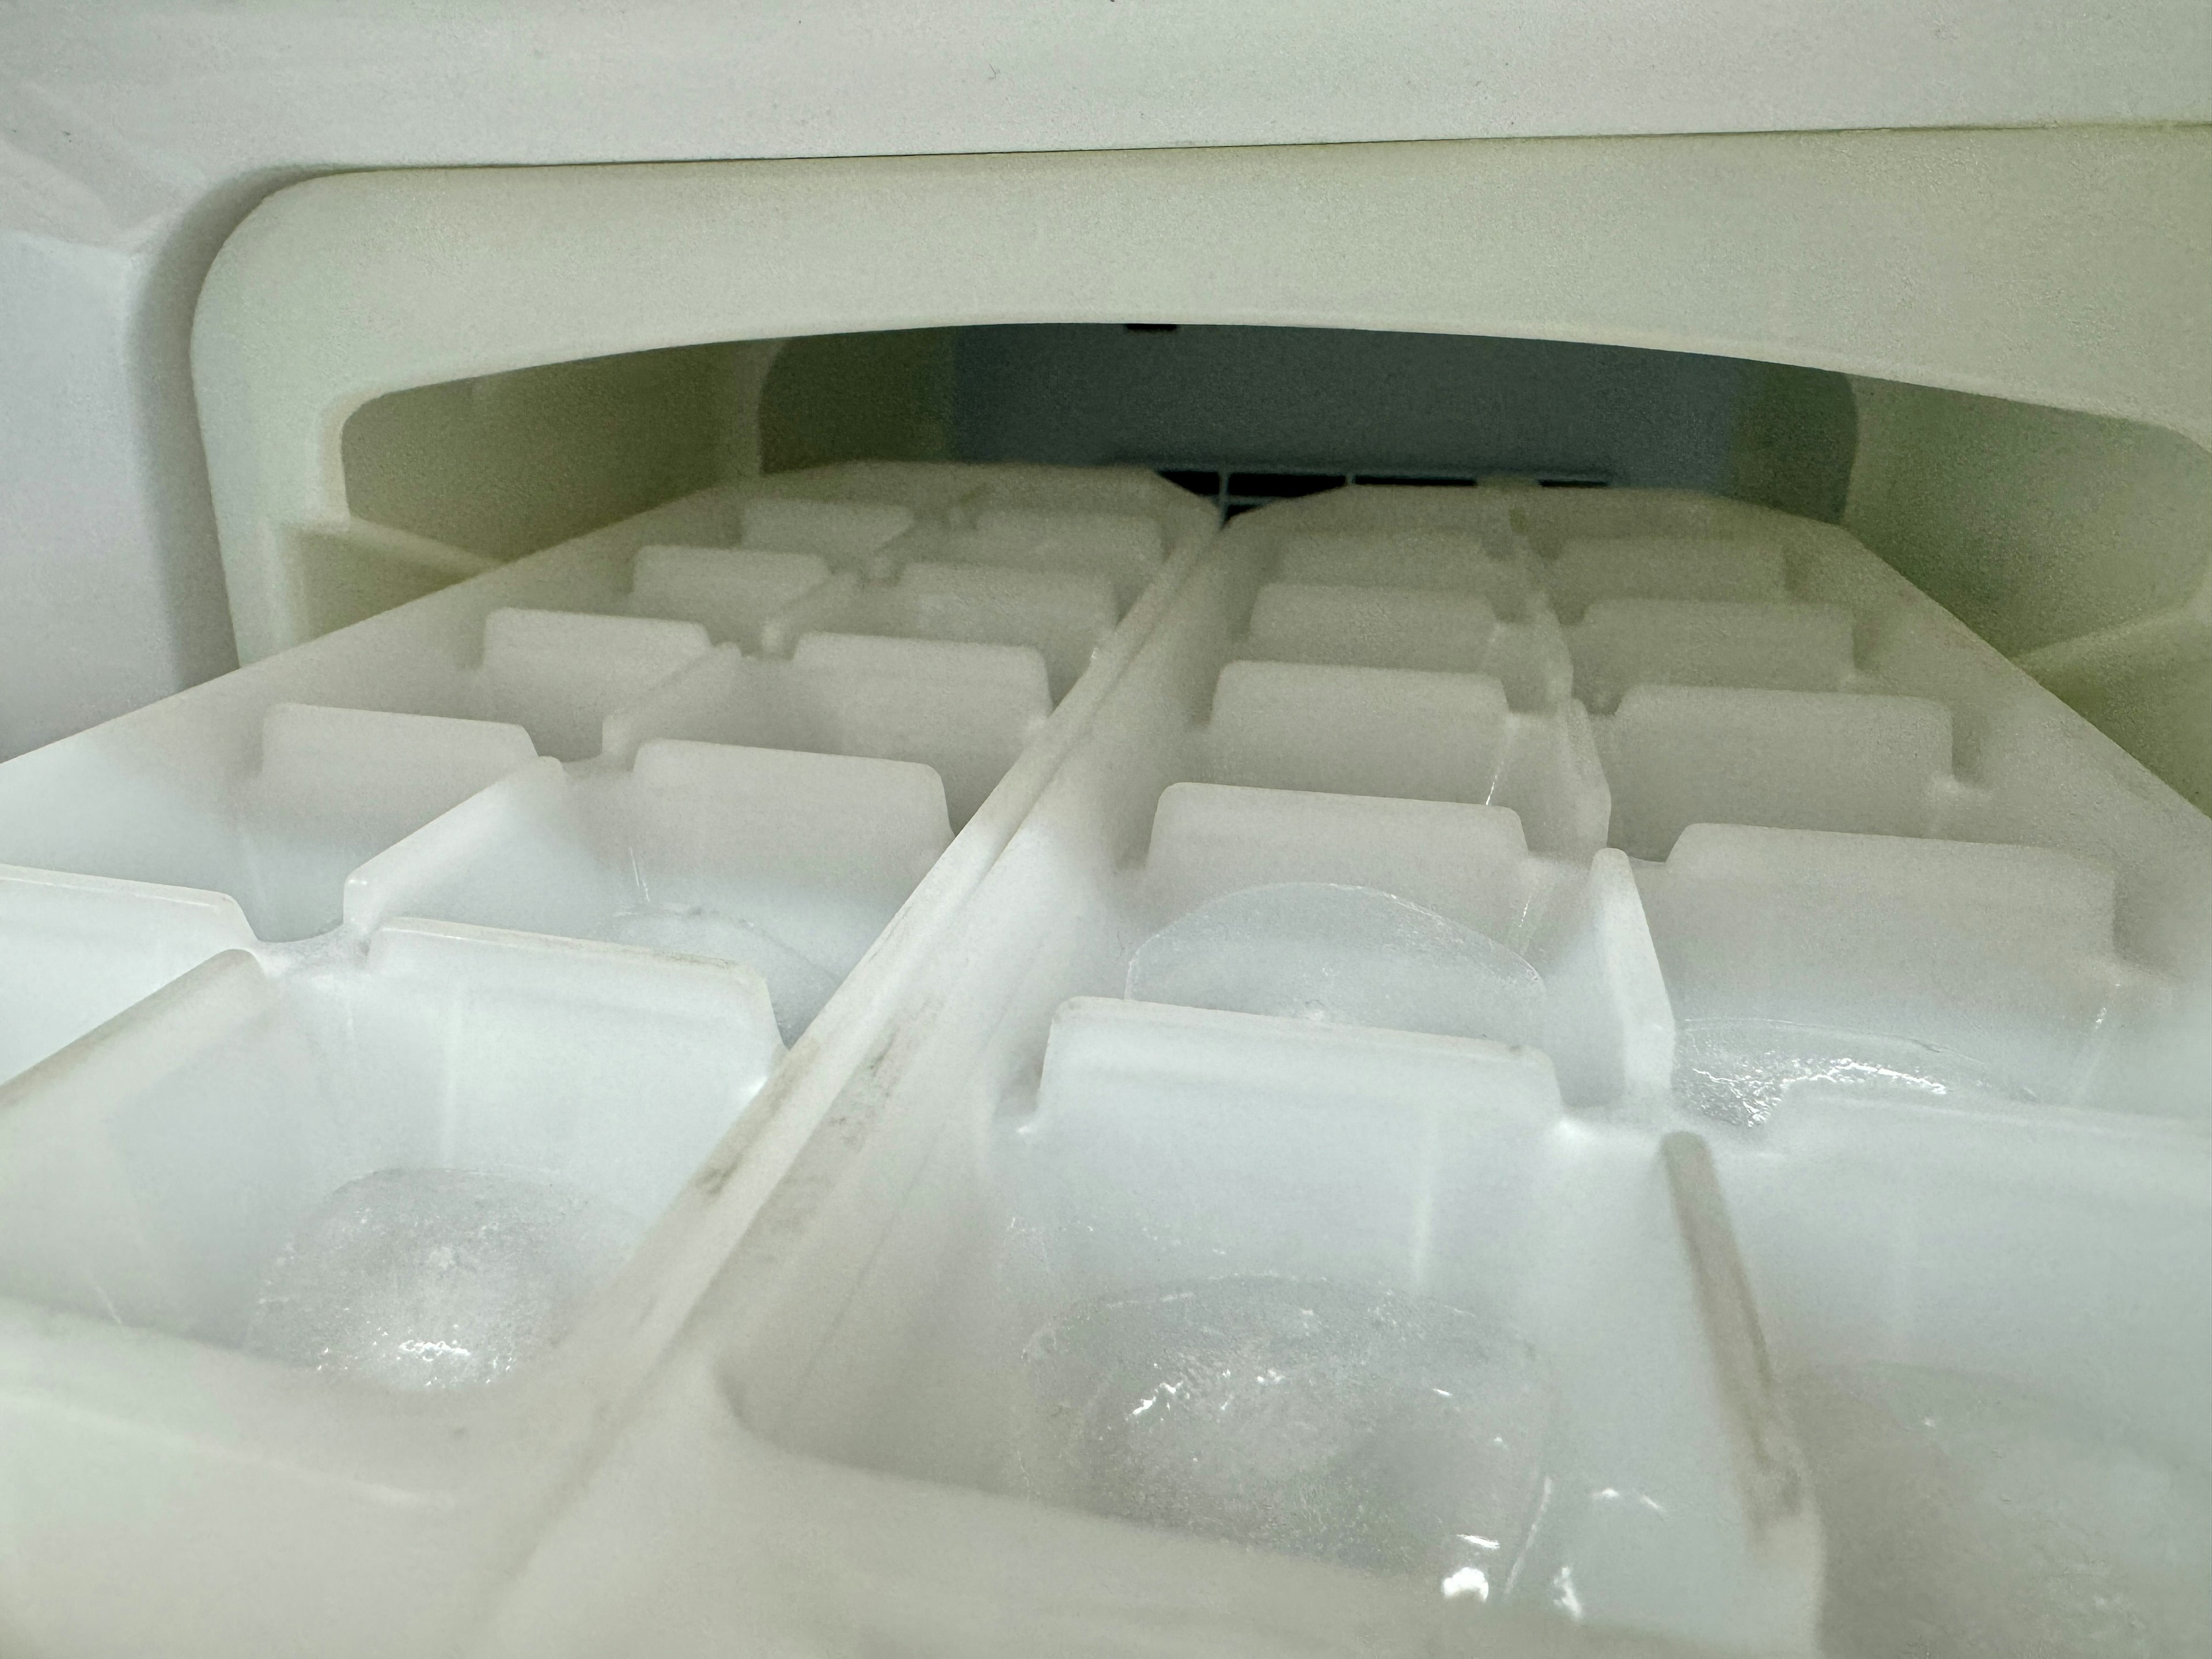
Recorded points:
(276, 831)
(963, 710)
(1586, 570)
(786, 861)
(1410, 628)
(1771, 645)
(1678, 755)
(1442, 562)
(1126, 549)
(1063, 616)
(729, 592)
(75, 950)
(1994, 1332)
(1350, 1294)
(408, 1169)
(1414, 733)
(841, 532)
(558, 674)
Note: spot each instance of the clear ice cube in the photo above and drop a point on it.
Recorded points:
(436, 1279)
(1741, 1071)
(1966, 1519)
(1394, 1434)
(798, 986)
(1354, 955)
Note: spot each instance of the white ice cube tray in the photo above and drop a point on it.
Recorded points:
(1428, 917)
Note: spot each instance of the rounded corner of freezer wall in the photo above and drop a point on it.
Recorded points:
(317, 302)
(247, 354)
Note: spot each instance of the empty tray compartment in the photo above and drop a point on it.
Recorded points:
(730, 592)
(559, 674)
(1584, 570)
(76, 950)
(1063, 616)
(1379, 578)
(1417, 732)
(1675, 755)
(1481, 562)
(1410, 628)
(1126, 548)
(961, 709)
(1771, 645)
(279, 826)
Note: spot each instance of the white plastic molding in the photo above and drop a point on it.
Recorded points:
(947, 1059)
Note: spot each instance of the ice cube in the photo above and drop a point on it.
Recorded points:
(1741, 1071)
(1354, 956)
(798, 986)
(1390, 1433)
(435, 1278)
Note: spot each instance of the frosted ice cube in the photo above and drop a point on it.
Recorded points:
(1355, 956)
(1390, 1433)
(1968, 1520)
(798, 986)
(436, 1279)
(1741, 1071)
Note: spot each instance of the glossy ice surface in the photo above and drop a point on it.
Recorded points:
(436, 1279)
(1391, 1433)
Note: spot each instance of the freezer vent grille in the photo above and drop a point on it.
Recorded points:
(1237, 489)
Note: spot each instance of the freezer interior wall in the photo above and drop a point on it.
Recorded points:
(2077, 543)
